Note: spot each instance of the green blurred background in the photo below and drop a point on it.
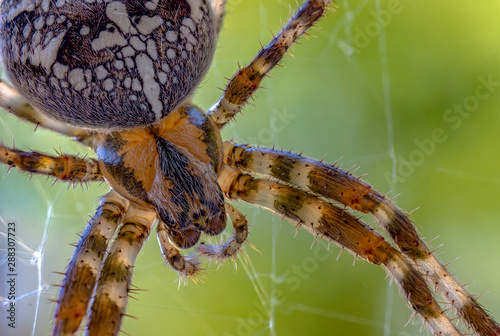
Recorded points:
(366, 93)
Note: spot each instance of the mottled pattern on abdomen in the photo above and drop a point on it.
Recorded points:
(112, 64)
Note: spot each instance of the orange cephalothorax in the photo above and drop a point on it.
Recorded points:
(173, 167)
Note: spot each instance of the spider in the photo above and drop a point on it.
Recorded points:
(206, 249)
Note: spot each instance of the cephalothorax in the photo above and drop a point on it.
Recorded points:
(117, 76)
(156, 167)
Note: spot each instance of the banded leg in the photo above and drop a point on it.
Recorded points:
(83, 271)
(230, 247)
(241, 87)
(14, 103)
(336, 184)
(64, 167)
(188, 267)
(338, 226)
(111, 296)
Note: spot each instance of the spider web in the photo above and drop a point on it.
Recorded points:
(377, 93)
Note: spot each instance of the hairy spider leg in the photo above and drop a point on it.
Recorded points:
(187, 267)
(35, 117)
(83, 271)
(333, 183)
(231, 246)
(69, 168)
(113, 287)
(336, 225)
(14, 103)
(247, 80)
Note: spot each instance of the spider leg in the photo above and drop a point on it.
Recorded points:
(64, 167)
(188, 267)
(340, 227)
(13, 102)
(244, 83)
(333, 183)
(219, 7)
(83, 271)
(230, 247)
(112, 291)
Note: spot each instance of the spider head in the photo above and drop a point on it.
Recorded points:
(106, 64)
(171, 167)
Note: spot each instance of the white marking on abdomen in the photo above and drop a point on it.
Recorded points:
(24, 6)
(151, 47)
(148, 24)
(196, 12)
(76, 79)
(108, 40)
(150, 87)
(117, 12)
(47, 56)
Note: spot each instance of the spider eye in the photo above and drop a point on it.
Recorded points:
(137, 66)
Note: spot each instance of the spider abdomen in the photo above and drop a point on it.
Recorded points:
(172, 167)
(106, 64)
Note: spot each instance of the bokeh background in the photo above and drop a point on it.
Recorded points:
(366, 90)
